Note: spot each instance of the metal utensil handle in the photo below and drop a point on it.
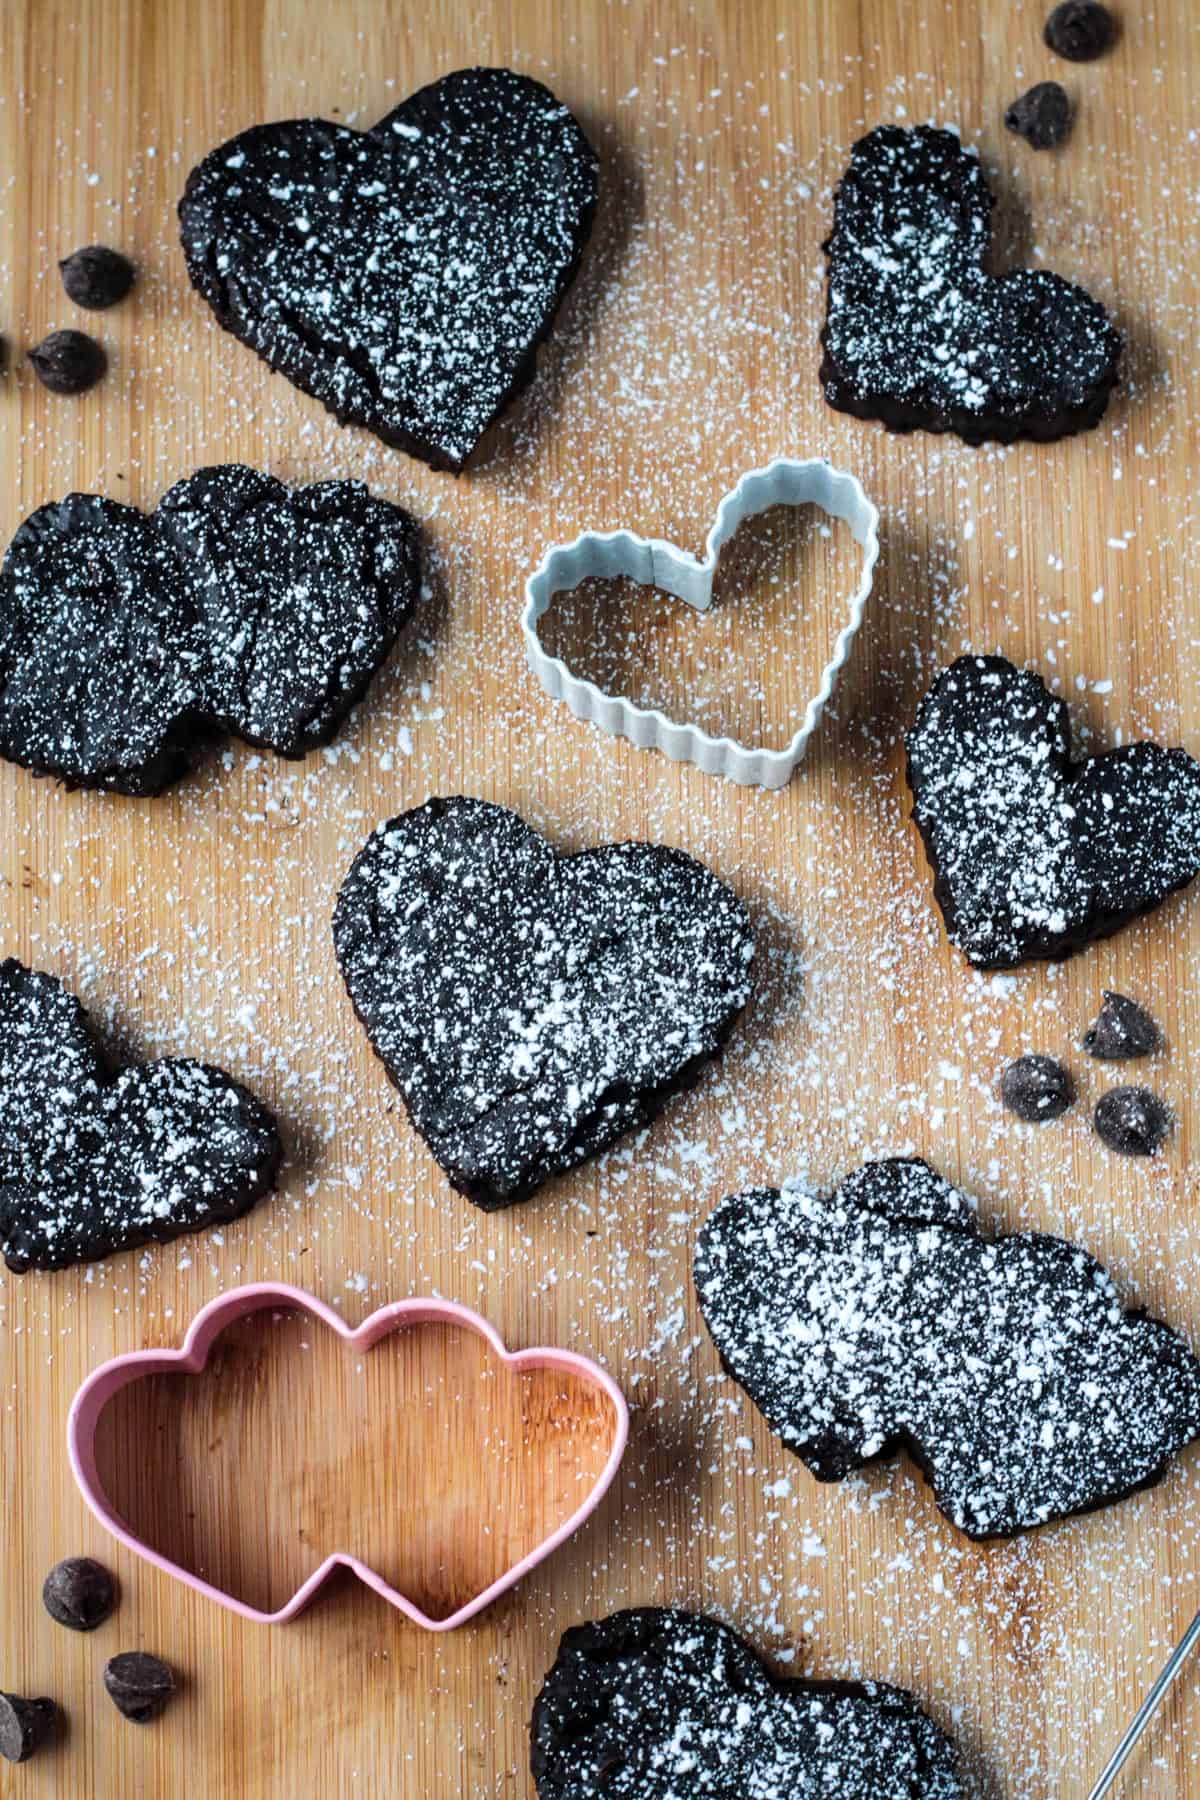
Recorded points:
(1149, 1707)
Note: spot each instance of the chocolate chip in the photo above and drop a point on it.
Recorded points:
(139, 1685)
(1123, 1029)
(68, 362)
(24, 1724)
(1036, 1088)
(1133, 1121)
(1080, 30)
(79, 1593)
(96, 277)
(1042, 116)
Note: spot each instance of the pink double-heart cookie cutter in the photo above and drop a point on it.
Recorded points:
(108, 1380)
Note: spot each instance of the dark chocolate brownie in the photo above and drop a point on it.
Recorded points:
(1035, 855)
(654, 1704)
(129, 639)
(918, 335)
(405, 275)
(95, 1159)
(880, 1317)
(532, 1007)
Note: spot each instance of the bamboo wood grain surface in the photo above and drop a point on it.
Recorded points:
(198, 922)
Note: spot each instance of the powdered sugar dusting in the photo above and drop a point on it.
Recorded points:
(128, 641)
(687, 354)
(403, 275)
(917, 334)
(664, 1705)
(1035, 854)
(533, 1008)
(93, 1161)
(880, 1317)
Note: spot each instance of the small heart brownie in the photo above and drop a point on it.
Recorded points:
(129, 639)
(532, 1007)
(879, 1317)
(95, 1160)
(918, 335)
(1035, 855)
(404, 276)
(654, 1704)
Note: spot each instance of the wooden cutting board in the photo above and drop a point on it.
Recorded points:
(199, 922)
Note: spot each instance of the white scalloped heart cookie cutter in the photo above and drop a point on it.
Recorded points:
(652, 563)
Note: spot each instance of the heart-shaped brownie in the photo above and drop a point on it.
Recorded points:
(404, 276)
(95, 1160)
(127, 639)
(655, 1704)
(531, 1007)
(1034, 855)
(919, 335)
(879, 1317)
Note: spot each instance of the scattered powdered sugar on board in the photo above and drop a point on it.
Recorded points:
(198, 924)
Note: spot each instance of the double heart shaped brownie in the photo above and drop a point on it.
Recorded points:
(405, 275)
(128, 640)
(919, 335)
(94, 1160)
(654, 1704)
(880, 1316)
(532, 1007)
(1034, 854)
